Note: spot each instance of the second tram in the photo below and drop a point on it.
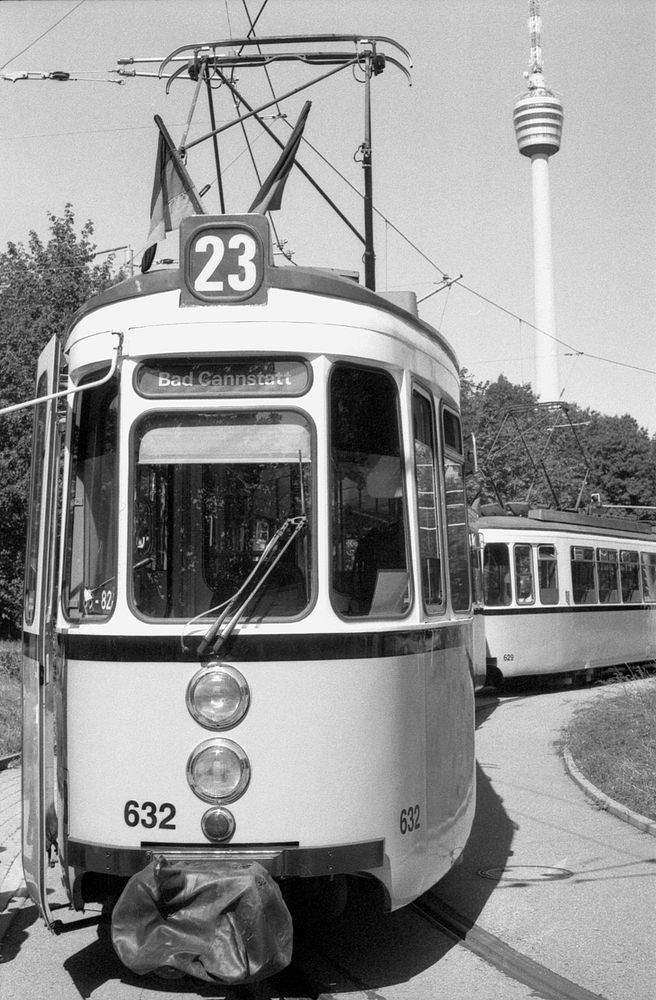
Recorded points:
(567, 593)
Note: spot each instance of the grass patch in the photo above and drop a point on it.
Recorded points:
(10, 698)
(613, 743)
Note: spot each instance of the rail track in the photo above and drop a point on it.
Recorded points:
(548, 985)
(320, 976)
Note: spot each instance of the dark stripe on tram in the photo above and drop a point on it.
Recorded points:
(568, 609)
(269, 648)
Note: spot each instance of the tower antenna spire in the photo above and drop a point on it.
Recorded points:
(536, 66)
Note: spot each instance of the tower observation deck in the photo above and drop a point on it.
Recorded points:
(538, 120)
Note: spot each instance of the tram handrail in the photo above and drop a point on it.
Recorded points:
(71, 391)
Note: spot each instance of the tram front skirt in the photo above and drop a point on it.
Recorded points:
(222, 922)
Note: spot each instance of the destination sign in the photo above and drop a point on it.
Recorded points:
(223, 259)
(218, 379)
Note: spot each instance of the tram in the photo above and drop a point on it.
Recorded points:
(248, 614)
(566, 593)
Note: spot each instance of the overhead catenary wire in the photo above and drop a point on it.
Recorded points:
(448, 282)
(377, 211)
(43, 33)
(444, 274)
(251, 32)
(105, 131)
(558, 340)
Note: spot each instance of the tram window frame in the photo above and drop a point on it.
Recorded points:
(92, 503)
(426, 465)
(523, 575)
(371, 567)
(608, 582)
(35, 501)
(457, 532)
(630, 577)
(584, 580)
(648, 576)
(502, 578)
(548, 589)
(170, 560)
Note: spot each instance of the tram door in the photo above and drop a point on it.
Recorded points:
(39, 814)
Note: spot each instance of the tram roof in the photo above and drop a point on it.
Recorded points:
(311, 280)
(544, 519)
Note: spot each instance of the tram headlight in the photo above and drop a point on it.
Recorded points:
(218, 696)
(218, 771)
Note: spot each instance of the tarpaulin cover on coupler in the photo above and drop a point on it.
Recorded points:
(224, 922)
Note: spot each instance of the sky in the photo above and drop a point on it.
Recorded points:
(453, 193)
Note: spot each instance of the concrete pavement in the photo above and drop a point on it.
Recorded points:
(547, 869)
(12, 885)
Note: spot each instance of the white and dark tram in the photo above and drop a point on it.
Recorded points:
(248, 615)
(566, 593)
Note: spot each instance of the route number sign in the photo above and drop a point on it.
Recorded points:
(223, 259)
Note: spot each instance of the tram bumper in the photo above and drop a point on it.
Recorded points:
(220, 921)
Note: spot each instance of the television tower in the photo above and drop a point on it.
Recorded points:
(538, 120)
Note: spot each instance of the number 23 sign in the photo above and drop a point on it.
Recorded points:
(223, 259)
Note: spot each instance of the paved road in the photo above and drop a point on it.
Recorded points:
(550, 874)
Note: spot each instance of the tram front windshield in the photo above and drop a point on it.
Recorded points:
(210, 491)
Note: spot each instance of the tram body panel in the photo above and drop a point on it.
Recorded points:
(156, 323)
(338, 752)
(332, 327)
(567, 641)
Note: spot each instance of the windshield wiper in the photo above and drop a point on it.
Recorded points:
(236, 605)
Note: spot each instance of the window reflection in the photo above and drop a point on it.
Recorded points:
(370, 566)
(210, 492)
(90, 577)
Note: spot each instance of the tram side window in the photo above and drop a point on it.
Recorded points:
(630, 577)
(427, 501)
(210, 492)
(90, 573)
(607, 576)
(648, 563)
(496, 575)
(457, 530)
(524, 574)
(36, 485)
(584, 585)
(368, 519)
(548, 574)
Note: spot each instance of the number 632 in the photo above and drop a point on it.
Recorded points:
(409, 820)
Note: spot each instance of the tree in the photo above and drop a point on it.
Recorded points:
(505, 465)
(554, 455)
(41, 287)
(622, 460)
